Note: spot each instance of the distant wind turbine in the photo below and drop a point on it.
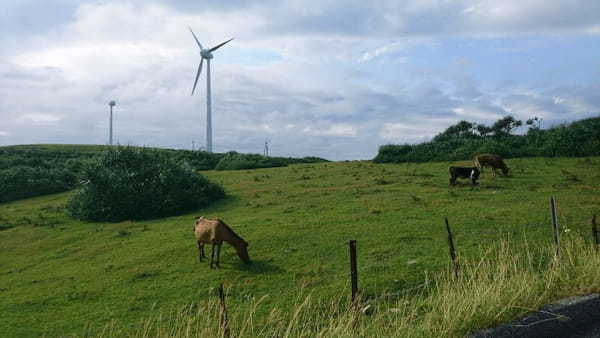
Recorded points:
(206, 54)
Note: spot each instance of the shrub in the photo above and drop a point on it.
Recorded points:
(236, 161)
(23, 181)
(134, 183)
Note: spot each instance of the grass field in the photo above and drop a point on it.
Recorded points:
(59, 276)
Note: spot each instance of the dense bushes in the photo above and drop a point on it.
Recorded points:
(236, 161)
(23, 181)
(198, 160)
(33, 170)
(463, 140)
(134, 183)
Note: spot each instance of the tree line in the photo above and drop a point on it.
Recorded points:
(464, 139)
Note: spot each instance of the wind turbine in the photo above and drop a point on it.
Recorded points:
(206, 54)
(111, 104)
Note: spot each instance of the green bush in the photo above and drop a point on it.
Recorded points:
(134, 183)
(22, 181)
(236, 161)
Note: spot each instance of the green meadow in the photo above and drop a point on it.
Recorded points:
(60, 276)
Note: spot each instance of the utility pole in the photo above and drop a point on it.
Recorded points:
(266, 151)
(111, 104)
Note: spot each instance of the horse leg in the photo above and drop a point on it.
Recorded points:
(218, 254)
(200, 250)
(212, 255)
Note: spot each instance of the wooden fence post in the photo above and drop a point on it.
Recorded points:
(353, 272)
(224, 319)
(595, 232)
(451, 249)
(555, 225)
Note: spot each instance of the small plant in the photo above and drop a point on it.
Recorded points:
(381, 181)
(145, 274)
(569, 176)
(123, 233)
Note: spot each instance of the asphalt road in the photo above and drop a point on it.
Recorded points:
(576, 317)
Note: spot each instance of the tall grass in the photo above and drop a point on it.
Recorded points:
(504, 283)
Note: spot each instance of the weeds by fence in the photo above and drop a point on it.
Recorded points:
(595, 232)
(223, 318)
(495, 287)
(555, 228)
(451, 249)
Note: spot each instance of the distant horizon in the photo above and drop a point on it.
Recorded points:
(333, 79)
(271, 154)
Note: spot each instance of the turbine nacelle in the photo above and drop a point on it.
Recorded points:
(206, 54)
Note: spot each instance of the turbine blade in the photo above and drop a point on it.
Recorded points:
(197, 75)
(195, 38)
(219, 46)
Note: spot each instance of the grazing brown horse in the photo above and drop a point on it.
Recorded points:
(490, 160)
(216, 232)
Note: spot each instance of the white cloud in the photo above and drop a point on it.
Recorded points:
(296, 73)
(41, 118)
(594, 30)
(402, 132)
(336, 130)
(473, 112)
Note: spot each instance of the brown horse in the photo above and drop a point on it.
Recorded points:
(490, 160)
(216, 232)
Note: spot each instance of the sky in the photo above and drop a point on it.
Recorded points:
(328, 78)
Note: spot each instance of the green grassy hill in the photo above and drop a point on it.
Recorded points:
(59, 276)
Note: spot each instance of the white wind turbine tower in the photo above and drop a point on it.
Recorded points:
(206, 54)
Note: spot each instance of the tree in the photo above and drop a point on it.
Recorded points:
(484, 130)
(534, 123)
(505, 125)
(462, 129)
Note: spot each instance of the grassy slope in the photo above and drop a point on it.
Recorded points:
(58, 275)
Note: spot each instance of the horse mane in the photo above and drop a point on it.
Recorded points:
(230, 229)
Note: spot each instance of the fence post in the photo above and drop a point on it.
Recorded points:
(595, 232)
(451, 249)
(224, 320)
(555, 225)
(353, 272)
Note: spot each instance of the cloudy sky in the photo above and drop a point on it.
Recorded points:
(329, 78)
